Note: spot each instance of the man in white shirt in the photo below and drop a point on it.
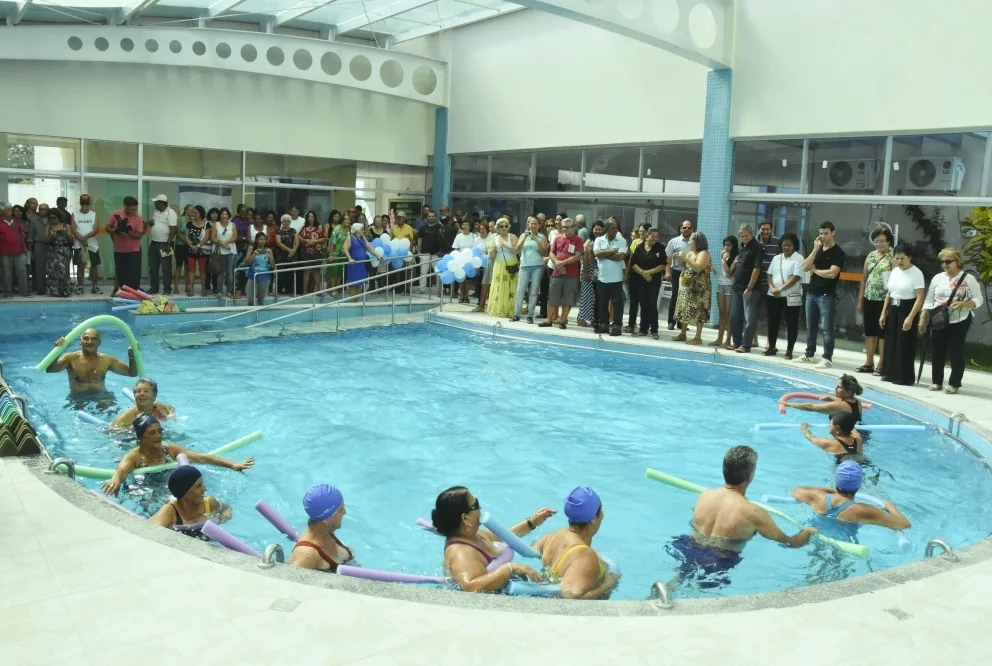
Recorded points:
(164, 224)
(610, 251)
(673, 271)
(85, 240)
(297, 221)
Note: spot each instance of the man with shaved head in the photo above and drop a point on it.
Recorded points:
(88, 368)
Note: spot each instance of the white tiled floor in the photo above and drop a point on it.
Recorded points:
(76, 590)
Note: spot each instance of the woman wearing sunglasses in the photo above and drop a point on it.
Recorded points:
(468, 550)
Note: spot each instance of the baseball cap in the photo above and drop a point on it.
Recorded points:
(162, 198)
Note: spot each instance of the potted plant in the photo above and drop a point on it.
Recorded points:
(977, 232)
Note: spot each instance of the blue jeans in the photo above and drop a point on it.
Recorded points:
(529, 276)
(820, 316)
(225, 279)
(743, 317)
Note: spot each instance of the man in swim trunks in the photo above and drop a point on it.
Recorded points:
(192, 504)
(567, 553)
(145, 393)
(88, 368)
(723, 521)
(838, 502)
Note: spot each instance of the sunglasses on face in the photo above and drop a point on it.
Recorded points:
(474, 506)
(947, 262)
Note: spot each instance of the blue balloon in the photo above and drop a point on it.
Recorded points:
(470, 271)
(485, 261)
(447, 277)
(376, 242)
(476, 251)
(396, 264)
(386, 251)
(443, 264)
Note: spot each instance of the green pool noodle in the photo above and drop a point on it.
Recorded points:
(99, 473)
(93, 322)
(851, 548)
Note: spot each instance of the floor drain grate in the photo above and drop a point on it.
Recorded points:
(898, 613)
(285, 605)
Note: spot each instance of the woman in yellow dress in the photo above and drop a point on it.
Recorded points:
(693, 305)
(506, 266)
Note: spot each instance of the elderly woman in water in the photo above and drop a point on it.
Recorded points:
(145, 402)
(318, 547)
(151, 451)
(468, 550)
(192, 504)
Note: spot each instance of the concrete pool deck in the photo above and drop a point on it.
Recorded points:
(79, 585)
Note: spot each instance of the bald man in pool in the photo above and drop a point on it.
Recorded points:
(88, 368)
(724, 521)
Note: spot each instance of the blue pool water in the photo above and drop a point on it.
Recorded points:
(395, 415)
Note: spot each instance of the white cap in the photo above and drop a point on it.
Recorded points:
(162, 198)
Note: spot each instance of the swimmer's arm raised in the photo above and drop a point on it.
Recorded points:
(825, 443)
(175, 450)
(767, 528)
(820, 408)
(891, 517)
(129, 370)
(63, 361)
(532, 523)
(808, 494)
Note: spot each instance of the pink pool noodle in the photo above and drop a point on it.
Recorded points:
(226, 539)
(137, 292)
(388, 576)
(808, 396)
(277, 521)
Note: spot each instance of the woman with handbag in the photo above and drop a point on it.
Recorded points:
(785, 295)
(506, 266)
(287, 243)
(871, 296)
(899, 318)
(950, 299)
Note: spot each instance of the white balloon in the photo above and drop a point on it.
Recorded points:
(378, 252)
(459, 273)
(477, 262)
(455, 263)
(466, 253)
(405, 243)
(396, 243)
(384, 238)
(408, 258)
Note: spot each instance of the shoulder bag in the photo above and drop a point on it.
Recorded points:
(940, 316)
(795, 298)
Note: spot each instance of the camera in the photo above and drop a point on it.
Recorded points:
(123, 226)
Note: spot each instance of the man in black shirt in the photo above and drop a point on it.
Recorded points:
(429, 242)
(745, 299)
(772, 246)
(824, 264)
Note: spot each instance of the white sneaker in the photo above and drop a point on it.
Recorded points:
(804, 359)
(824, 364)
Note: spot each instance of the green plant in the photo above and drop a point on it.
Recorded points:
(932, 228)
(977, 231)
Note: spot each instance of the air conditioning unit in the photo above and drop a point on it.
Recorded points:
(852, 174)
(944, 174)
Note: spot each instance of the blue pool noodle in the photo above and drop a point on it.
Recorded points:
(525, 588)
(866, 428)
(128, 393)
(119, 308)
(126, 301)
(508, 537)
(89, 418)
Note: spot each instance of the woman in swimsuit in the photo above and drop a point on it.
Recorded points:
(318, 547)
(843, 400)
(468, 550)
(567, 553)
(192, 506)
(145, 393)
(151, 451)
(844, 441)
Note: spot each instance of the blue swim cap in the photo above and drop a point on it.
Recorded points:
(321, 501)
(849, 476)
(582, 505)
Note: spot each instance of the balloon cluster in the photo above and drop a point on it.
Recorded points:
(393, 251)
(461, 265)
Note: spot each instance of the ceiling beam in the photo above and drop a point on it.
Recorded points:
(131, 12)
(19, 10)
(222, 6)
(297, 12)
(455, 22)
(389, 10)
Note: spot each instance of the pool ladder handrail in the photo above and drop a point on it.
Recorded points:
(21, 402)
(659, 592)
(272, 552)
(948, 553)
(70, 467)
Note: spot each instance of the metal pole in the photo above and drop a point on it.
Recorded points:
(392, 309)
(804, 171)
(640, 172)
(337, 317)
(887, 165)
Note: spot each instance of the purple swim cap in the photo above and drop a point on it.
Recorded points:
(582, 505)
(321, 501)
(849, 476)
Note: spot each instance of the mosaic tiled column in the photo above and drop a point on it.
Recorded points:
(716, 174)
(441, 193)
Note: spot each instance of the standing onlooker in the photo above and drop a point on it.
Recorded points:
(356, 250)
(744, 303)
(484, 279)
(899, 318)
(673, 270)
(243, 218)
(695, 292)
(647, 263)
(771, 246)
(312, 250)
(126, 227)
(610, 251)
(960, 293)
(563, 288)
(85, 232)
(297, 222)
(180, 252)
(725, 289)
(588, 279)
(580, 227)
(463, 241)
(59, 257)
(39, 249)
(785, 294)
(635, 287)
(506, 266)
(550, 232)
(429, 244)
(338, 234)
(164, 226)
(260, 262)
(532, 247)
(13, 252)
(871, 296)
(824, 264)
(402, 230)
(225, 236)
(197, 239)
(287, 243)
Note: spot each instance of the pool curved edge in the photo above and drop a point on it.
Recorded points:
(977, 439)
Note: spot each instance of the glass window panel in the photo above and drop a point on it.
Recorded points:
(511, 172)
(24, 151)
(111, 157)
(281, 199)
(191, 162)
(938, 164)
(612, 169)
(297, 170)
(768, 166)
(846, 166)
(672, 168)
(18, 189)
(107, 196)
(468, 173)
(558, 171)
(181, 194)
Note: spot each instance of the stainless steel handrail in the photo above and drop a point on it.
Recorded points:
(70, 467)
(272, 552)
(948, 554)
(659, 592)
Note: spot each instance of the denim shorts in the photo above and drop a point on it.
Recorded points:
(725, 289)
